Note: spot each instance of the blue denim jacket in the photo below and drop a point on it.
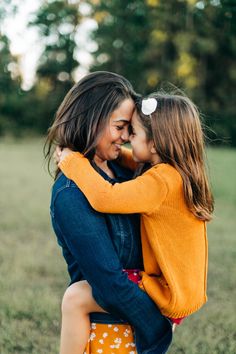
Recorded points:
(97, 247)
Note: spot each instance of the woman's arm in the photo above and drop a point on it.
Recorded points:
(85, 233)
(141, 195)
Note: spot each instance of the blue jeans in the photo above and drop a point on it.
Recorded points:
(89, 252)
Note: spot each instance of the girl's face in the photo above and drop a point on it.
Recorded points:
(116, 133)
(142, 149)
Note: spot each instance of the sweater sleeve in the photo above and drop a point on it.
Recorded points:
(141, 195)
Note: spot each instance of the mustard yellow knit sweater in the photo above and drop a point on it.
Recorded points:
(174, 241)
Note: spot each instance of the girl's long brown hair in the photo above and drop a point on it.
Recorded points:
(176, 130)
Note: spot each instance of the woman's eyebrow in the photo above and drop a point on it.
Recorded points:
(122, 120)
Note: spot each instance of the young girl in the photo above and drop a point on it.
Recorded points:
(175, 202)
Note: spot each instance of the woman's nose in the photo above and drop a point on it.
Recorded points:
(125, 134)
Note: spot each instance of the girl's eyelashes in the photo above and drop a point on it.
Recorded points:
(130, 129)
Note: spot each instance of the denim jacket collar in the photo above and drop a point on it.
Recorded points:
(121, 174)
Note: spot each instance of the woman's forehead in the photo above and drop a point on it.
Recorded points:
(124, 112)
(120, 120)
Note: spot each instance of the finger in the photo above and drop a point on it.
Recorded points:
(58, 151)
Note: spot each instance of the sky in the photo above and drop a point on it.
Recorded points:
(25, 42)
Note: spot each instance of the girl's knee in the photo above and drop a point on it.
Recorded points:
(74, 299)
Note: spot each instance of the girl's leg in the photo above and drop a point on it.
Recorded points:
(77, 303)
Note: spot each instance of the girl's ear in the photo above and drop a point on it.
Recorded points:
(153, 149)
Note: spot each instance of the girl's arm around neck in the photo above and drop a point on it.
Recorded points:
(141, 195)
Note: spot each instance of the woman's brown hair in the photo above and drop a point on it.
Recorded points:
(85, 111)
(177, 133)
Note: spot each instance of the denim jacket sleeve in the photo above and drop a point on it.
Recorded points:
(85, 233)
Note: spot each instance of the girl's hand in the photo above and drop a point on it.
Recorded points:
(60, 154)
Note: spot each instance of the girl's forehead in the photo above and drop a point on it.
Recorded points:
(135, 117)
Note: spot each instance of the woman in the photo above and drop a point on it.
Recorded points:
(94, 120)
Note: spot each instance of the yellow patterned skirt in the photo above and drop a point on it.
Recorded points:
(111, 339)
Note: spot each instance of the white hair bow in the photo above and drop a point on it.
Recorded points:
(149, 106)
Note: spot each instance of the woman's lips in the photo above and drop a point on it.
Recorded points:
(118, 146)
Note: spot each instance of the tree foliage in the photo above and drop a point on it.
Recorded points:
(57, 22)
(189, 43)
(9, 88)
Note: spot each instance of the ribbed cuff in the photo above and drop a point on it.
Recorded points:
(65, 163)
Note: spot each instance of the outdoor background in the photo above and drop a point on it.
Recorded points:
(154, 43)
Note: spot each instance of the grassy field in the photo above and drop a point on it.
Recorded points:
(33, 275)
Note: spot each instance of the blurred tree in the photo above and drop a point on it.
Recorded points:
(9, 88)
(189, 43)
(215, 50)
(57, 22)
(121, 36)
(9, 78)
(138, 39)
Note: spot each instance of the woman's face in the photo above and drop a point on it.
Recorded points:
(116, 132)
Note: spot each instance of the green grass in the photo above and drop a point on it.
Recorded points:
(32, 272)
(33, 275)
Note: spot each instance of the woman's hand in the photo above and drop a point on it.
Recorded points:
(60, 154)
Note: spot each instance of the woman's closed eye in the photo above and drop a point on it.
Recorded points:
(120, 127)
